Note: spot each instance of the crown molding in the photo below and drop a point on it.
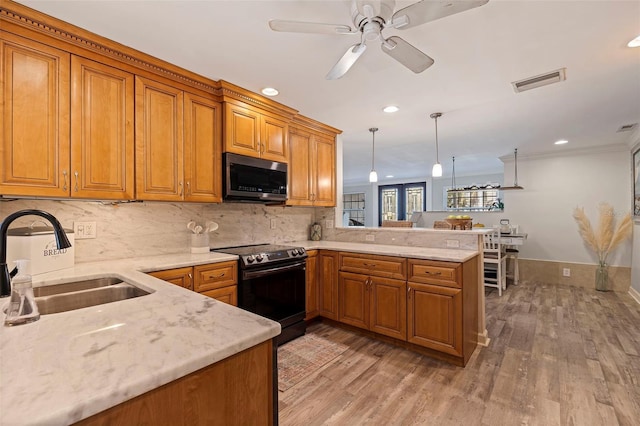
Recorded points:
(32, 20)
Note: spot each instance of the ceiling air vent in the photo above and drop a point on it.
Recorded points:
(539, 80)
(627, 128)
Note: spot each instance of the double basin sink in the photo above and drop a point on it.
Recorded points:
(82, 294)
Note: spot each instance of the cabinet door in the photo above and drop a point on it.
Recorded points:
(353, 299)
(328, 284)
(159, 141)
(324, 193)
(241, 130)
(34, 115)
(299, 171)
(435, 317)
(312, 285)
(102, 144)
(202, 147)
(388, 307)
(274, 139)
(228, 295)
(182, 277)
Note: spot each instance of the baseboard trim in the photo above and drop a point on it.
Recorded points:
(634, 294)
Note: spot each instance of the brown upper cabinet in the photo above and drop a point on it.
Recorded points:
(67, 124)
(255, 133)
(177, 144)
(312, 167)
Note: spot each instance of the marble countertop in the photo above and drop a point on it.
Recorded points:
(71, 365)
(448, 255)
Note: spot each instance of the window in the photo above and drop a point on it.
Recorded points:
(398, 202)
(353, 205)
(473, 199)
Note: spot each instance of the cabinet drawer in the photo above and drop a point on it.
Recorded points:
(217, 275)
(433, 272)
(180, 276)
(227, 294)
(379, 266)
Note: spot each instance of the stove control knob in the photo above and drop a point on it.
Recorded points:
(251, 259)
(259, 258)
(294, 252)
(300, 251)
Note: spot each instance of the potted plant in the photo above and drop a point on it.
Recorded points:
(605, 240)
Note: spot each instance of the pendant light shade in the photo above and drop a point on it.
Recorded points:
(373, 176)
(436, 171)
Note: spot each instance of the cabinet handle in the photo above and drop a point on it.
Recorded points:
(370, 265)
(433, 273)
(190, 276)
(188, 187)
(180, 191)
(76, 175)
(64, 174)
(212, 277)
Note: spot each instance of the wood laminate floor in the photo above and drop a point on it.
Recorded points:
(558, 356)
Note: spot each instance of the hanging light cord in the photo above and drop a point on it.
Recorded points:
(435, 116)
(373, 130)
(453, 174)
(515, 155)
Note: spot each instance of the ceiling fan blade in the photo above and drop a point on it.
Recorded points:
(348, 59)
(426, 11)
(310, 27)
(406, 54)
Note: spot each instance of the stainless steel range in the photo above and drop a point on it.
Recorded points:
(271, 283)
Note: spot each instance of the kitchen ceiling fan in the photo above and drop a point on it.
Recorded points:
(370, 18)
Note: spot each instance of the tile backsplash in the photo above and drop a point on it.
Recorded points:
(152, 228)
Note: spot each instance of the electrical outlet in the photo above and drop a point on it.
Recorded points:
(329, 223)
(274, 223)
(566, 272)
(370, 237)
(84, 230)
(453, 243)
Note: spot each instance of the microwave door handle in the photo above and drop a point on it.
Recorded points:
(248, 275)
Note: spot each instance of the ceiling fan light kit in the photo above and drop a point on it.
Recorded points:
(371, 18)
(436, 171)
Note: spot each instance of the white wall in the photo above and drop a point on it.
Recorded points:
(554, 186)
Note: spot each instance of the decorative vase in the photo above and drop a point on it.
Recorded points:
(316, 232)
(602, 278)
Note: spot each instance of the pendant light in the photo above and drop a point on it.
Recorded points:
(373, 176)
(437, 168)
(515, 176)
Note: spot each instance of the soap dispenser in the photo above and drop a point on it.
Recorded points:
(22, 307)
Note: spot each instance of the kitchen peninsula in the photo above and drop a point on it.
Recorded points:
(69, 366)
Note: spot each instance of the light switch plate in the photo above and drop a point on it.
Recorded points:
(274, 223)
(370, 237)
(329, 223)
(566, 272)
(453, 243)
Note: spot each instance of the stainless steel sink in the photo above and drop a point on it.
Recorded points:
(81, 294)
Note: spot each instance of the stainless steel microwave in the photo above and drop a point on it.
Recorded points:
(254, 179)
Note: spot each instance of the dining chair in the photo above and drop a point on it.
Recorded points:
(494, 262)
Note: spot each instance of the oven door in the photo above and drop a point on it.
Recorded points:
(276, 292)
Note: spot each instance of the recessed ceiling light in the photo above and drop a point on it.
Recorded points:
(391, 108)
(269, 91)
(389, 176)
(561, 142)
(635, 42)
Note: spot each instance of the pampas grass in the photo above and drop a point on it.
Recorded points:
(606, 239)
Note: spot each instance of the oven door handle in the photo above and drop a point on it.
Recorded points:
(248, 275)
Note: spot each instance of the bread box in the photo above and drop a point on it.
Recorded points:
(38, 244)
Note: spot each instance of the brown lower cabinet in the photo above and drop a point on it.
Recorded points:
(235, 391)
(216, 280)
(430, 306)
(311, 293)
(373, 303)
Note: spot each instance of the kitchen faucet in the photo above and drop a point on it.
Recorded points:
(61, 241)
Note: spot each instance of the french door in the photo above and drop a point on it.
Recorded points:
(398, 202)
